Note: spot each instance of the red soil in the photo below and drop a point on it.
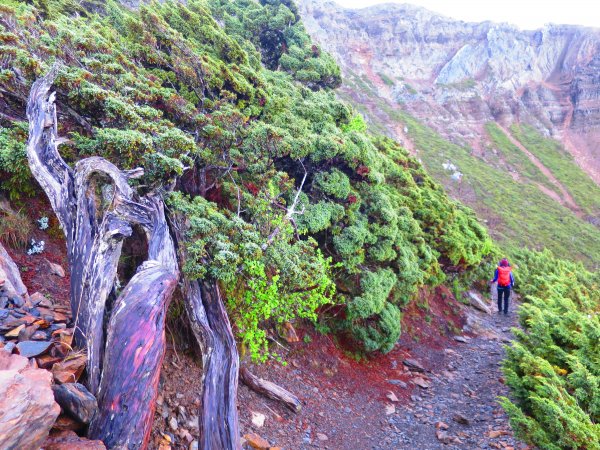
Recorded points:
(34, 270)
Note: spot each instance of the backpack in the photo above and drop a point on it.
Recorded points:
(504, 276)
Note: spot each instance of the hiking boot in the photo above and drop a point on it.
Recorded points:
(505, 313)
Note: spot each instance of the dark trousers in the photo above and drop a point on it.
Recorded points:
(503, 292)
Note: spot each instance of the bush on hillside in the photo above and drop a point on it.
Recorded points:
(553, 367)
(231, 103)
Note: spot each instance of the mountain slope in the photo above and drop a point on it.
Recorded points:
(514, 114)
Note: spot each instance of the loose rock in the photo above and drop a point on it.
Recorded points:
(68, 440)
(258, 419)
(257, 442)
(77, 401)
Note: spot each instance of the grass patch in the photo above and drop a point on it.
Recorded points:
(518, 213)
(583, 189)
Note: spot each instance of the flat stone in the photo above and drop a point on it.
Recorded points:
(413, 365)
(462, 339)
(29, 349)
(400, 383)
(69, 370)
(422, 383)
(257, 442)
(15, 331)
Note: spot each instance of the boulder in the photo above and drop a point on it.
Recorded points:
(27, 406)
(478, 303)
(76, 401)
(9, 273)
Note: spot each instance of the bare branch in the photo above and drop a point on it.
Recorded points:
(291, 211)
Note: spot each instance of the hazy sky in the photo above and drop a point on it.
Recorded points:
(527, 14)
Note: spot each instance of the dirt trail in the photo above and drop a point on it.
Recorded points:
(463, 397)
(566, 198)
(346, 404)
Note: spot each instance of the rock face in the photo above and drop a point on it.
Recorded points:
(10, 278)
(27, 406)
(446, 71)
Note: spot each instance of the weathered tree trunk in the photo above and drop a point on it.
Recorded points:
(123, 371)
(218, 417)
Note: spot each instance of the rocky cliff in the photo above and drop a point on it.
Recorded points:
(458, 76)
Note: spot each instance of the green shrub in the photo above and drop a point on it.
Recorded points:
(553, 367)
(17, 179)
(230, 102)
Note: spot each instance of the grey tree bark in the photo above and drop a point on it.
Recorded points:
(97, 209)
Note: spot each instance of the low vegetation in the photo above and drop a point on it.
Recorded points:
(553, 367)
(291, 203)
(15, 228)
(585, 192)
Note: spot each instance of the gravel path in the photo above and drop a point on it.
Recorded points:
(459, 410)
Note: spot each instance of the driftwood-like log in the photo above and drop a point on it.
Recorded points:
(135, 345)
(270, 390)
(97, 210)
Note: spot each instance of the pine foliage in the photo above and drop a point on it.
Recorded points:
(231, 104)
(553, 367)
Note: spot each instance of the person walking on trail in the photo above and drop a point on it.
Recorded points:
(503, 275)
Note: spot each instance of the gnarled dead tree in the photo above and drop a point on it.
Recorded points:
(220, 361)
(97, 209)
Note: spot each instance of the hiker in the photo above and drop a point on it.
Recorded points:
(503, 275)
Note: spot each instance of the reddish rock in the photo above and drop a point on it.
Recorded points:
(257, 442)
(289, 333)
(68, 440)
(27, 406)
(47, 361)
(65, 422)
(69, 370)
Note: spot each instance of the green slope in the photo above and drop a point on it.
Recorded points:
(517, 213)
